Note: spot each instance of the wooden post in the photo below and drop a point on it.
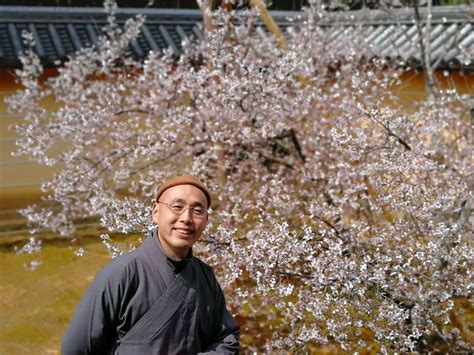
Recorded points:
(206, 9)
(269, 22)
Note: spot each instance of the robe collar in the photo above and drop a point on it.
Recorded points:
(176, 265)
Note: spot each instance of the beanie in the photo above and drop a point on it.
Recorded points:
(184, 180)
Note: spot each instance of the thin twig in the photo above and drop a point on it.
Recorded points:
(276, 160)
(390, 132)
(297, 145)
(295, 274)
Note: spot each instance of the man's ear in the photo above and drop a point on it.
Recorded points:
(154, 212)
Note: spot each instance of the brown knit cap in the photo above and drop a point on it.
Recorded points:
(184, 180)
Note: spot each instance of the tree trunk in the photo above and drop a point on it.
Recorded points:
(425, 48)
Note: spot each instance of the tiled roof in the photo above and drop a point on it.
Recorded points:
(395, 34)
(61, 31)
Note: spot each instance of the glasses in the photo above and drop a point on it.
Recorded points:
(178, 209)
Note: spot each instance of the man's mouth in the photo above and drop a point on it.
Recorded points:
(184, 231)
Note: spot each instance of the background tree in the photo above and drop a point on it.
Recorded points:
(342, 215)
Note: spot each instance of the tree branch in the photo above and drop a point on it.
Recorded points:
(425, 48)
(297, 145)
(276, 160)
(295, 274)
(390, 132)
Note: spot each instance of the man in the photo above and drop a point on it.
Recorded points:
(159, 298)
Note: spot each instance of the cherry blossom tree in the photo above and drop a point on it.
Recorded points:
(342, 217)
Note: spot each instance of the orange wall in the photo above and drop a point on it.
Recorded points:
(19, 178)
(413, 84)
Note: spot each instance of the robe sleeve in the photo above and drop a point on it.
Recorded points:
(226, 338)
(92, 329)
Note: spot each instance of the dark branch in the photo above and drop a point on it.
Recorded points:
(295, 274)
(297, 144)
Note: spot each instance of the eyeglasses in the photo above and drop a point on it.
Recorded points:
(178, 209)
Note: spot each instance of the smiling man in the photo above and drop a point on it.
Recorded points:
(159, 298)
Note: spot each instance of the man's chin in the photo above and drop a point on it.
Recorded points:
(183, 241)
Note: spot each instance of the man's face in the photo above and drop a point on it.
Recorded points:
(178, 234)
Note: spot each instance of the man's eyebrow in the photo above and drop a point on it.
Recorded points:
(177, 200)
(180, 200)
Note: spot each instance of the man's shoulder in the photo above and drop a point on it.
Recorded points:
(126, 259)
(121, 266)
(206, 270)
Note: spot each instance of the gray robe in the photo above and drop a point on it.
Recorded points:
(143, 302)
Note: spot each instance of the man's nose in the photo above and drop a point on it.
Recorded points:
(187, 215)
